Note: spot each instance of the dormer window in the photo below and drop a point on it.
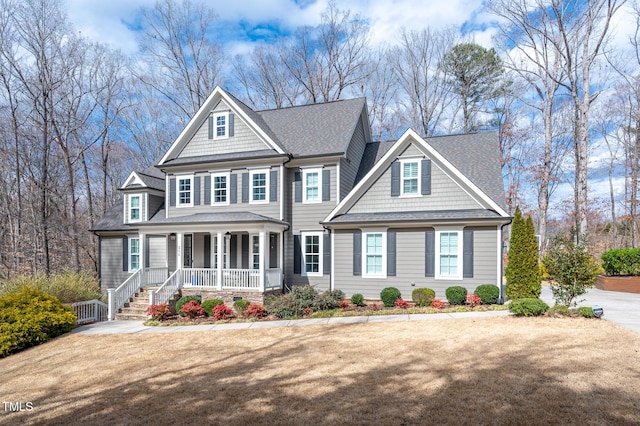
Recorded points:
(134, 208)
(221, 125)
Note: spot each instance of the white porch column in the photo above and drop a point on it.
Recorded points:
(262, 257)
(219, 261)
(143, 256)
(281, 254)
(179, 250)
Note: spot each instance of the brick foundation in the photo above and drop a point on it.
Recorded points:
(625, 284)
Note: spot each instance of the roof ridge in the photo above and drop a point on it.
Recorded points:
(310, 105)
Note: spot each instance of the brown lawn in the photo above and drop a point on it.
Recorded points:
(483, 371)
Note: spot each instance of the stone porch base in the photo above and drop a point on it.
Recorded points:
(228, 295)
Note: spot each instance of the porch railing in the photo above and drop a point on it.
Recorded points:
(155, 275)
(167, 289)
(90, 311)
(241, 279)
(119, 296)
(273, 279)
(199, 277)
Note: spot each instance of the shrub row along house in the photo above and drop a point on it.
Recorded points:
(247, 202)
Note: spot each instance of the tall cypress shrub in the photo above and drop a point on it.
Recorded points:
(523, 271)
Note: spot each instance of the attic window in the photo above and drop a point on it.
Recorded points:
(221, 125)
(410, 178)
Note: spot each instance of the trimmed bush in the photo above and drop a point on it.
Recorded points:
(159, 312)
(586, 311)
(624, 261)
(222, 312)
(559, 311)
(523, 271)
(456, 295)
(423, 296)
(488, 293)
(389, 296)
(437, 303)
(473, 300)
(68, 287)
(344, 304)
(284, 306)
(528, 307)
(337, 295)
(241, 305)
(184, 300)
(192, 309)
(255, 310)
(305, 295)
(357, 299)
(209, 304)
(31, 317)
(400, 303)
(325, 301)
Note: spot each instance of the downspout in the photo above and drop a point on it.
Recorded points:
(502, 284)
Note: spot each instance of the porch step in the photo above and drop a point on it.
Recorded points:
(136, 308)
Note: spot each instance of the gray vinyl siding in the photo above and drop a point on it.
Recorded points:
(155, 203)
(111, 273)
(349, 166)
(243, 139)
(198, 250)
(445, 195)
(171, 254)
(157, 246)
(305, 218)
(270, 209)
(410, 265)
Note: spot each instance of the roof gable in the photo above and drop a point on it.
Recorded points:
(380, 163)
(241, 112)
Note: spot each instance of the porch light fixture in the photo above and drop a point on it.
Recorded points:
(172, 236)
(597, 311)
(227, 235)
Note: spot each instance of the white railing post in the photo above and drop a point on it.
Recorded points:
(152, 297)
(112, 304)
(262, 257)
(219, 260)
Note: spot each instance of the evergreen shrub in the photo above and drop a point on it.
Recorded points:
(423, 296)
(528, 307)
(523, 271)
(389, 296)
(489, 293)
(240, 306)
(357, 299)
(209, 304)
(624, 261)
(456, 295)
(183, 300)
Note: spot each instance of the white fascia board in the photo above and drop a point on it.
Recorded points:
(190, 129)
(133, 178)
(393, 153)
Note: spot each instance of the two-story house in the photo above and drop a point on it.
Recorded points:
(249, 202)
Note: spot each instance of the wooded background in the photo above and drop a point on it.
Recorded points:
(76, 117)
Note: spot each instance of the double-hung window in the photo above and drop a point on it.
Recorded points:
(259, 191)
(449, 254)
(220, 189)
(185, 191)
(134, 208)
(221, 125)
(410, 177)
(312, 254)
(312, 179)
(374, 256)
(255, 252)
(134, 254)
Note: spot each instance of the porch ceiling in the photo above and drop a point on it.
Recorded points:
(220, 218)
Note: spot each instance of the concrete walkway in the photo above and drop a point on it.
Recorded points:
(124, 327)
(621, 308)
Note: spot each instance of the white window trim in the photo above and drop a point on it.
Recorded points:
(383, 274)
(128, 206)
(227, 175)
(253, 254)
(439, 231)
(303, 243)
(139, 254)
(267, 174)
(402, 163)
(305, 172)
(226, 125)
(178, 179)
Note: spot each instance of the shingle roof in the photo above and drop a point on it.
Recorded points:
(475, 155)
(416, 216)
(261, 153)
(113, 220)
(315, 129)
(257, 118)
(221, 217)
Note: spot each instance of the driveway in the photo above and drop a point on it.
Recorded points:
(621, 308)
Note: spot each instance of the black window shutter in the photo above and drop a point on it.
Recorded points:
(273, 186)
(146, 252)
(231, 124)
(297, 255)
(326, 185)
(233, 189)
(273, 250)
(207, 190)
(395, 179)
(172, 192)
(467, 254)
(196, 191)
(245, 187)
(233, 248)
(207, 250)
(426, 177)
(245, 251)
(357, 253)
(297, 182)
(210, 124)
(430, 253)
(125, 254)
(326, 254)
(391, 253)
